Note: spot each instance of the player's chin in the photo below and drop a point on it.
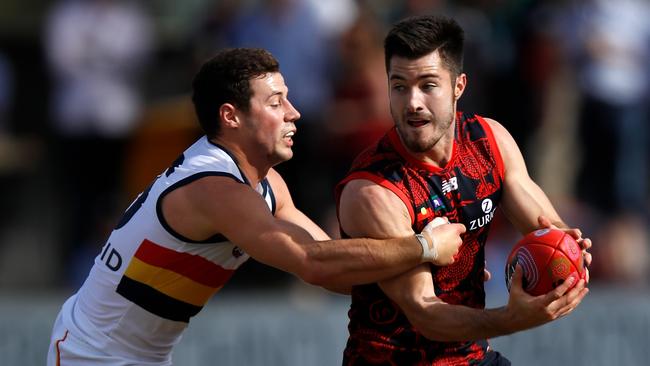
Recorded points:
(285, 154)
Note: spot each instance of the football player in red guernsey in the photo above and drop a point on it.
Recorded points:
(440, 162)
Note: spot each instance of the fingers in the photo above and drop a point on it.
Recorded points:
(574, 233)
(486, 275)
(460, 227)
(559, 291)
(585, 243)
(572, 303)
(587, 258)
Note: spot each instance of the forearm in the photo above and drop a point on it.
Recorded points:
(440, 321)
(344, 263)
(524, 202)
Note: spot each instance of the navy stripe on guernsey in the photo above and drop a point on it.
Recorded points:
(269, 190)
(156, 302)
(233, 159)
(173, 285)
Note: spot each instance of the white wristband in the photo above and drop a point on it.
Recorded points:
(429, 254)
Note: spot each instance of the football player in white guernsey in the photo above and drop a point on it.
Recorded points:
(218, 204)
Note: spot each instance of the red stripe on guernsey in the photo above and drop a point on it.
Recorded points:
(493, 145)
(192, 266)
(58, 351)
(382, 182)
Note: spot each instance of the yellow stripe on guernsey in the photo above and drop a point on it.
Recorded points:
(173, 285)
(170, 283)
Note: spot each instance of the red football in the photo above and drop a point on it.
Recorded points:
(547, 257)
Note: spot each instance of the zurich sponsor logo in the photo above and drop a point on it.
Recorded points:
(488, 209)
(486, 205)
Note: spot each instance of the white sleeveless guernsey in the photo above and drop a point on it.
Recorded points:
(148, 281)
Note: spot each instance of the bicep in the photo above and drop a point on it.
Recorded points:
(367, 209)
(241, 215)
(286, 210)
(523, 200)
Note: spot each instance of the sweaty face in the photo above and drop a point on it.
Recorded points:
(423, 100)
(270, 120)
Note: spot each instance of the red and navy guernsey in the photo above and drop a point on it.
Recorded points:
(467, 190)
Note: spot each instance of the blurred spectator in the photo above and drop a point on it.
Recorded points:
(6, 92)
(609, 44)
(359, 113)
(621, 254)
(7, 157)
(211, 33)
(97, 51)
(291, 31)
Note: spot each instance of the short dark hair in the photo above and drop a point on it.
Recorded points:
(225, 78)
(418, 36)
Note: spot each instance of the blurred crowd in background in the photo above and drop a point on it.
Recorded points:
(95, 101)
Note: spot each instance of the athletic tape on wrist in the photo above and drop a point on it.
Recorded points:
(429, 254)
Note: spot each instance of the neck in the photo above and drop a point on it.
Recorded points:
(254, 170)
(441, 153)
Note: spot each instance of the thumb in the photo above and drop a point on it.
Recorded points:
(544, 222)
(486, 275)
(517, 278)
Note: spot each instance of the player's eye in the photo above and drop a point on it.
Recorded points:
(428, 86)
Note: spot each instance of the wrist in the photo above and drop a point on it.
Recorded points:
(429, 250)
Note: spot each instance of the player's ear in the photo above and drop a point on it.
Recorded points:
(459, 85)
(228, 115)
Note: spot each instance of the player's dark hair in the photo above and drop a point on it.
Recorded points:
(225, 78)
(418, 36)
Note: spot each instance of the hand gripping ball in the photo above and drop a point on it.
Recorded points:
(548, 257)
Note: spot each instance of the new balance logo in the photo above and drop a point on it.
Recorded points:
(449, 185)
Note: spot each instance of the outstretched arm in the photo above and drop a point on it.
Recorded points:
(222, 205)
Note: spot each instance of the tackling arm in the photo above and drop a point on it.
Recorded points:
(221, 205)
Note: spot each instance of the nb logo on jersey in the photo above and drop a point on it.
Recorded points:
(449, 185)
(236, 252)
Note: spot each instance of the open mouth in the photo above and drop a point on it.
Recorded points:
(288, 137)
(417, 122)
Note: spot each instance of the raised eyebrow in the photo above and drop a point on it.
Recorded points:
(420, 77)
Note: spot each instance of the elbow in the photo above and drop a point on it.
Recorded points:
(425, 327)
(313, 274)
(426, 323)
(313, 278)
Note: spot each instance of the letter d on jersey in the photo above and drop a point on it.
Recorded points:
(114, 259)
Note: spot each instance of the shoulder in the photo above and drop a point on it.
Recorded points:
(277, 183)
(366, 207)
(508, 148)
(503, 138)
